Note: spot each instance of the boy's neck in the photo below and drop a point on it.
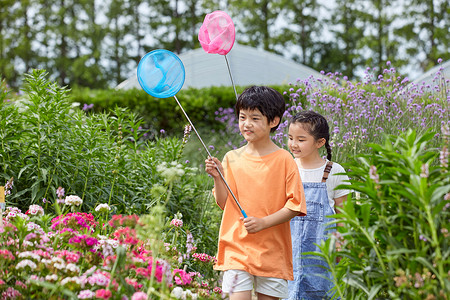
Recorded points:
(261, 148)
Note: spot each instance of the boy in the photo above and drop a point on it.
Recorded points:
(265, 179)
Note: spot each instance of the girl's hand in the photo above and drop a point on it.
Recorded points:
(253, 224)
(338, 245)
(211, 165)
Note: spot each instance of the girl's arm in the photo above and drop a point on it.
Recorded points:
(253, 224)
(220, 189)
(338, 205)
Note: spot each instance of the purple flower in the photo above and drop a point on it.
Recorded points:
(60, 192)
(87, 107)
(422, 238)
(425, 171)
(373, 174)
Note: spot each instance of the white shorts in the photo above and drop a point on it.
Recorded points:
(239, 281)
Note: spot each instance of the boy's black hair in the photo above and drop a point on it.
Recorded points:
(267, 100)
(316, 125)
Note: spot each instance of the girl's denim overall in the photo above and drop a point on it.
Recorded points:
(309, 282)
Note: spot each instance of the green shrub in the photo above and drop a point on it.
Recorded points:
(395, 234)
(104, 157)
(200, 105)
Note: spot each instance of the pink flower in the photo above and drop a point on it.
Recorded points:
(204, 257)
(76, 221)
(86, 294)
(103, 294)
(139, 296)
(98, 279)
(181, 277)
(176, 222)
(159, 272)
(6, 255)
(70, 257)
(11, 293)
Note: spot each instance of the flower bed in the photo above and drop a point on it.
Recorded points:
(74, 255)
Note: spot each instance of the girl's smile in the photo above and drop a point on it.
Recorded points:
(302, 144)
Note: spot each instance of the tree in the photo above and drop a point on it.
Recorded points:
(379, 18)
(348, 33)
(302, 29)
(86, 69)
(425, 32)
(256, 20)
(176, 24)
(117, 32)
(7, 67)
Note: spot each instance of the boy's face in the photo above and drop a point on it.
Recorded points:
(254, 126)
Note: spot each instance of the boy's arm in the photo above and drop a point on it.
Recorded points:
(220, 189)
(253, 224)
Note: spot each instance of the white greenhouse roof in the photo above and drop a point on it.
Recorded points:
(249, 66)
(428, 77)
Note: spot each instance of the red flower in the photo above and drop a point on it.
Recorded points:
(103, 294)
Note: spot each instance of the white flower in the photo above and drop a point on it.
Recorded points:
(113, 243)
(177, 292)
(36, 210)
(70, 279)
(52, 277)
(73, 200)
(103, 208)
(57, 260)
(31, 226)
(170, 173)
(60, 266)
(27, 244)
(73, 268)
(28, 254)
(26, 262)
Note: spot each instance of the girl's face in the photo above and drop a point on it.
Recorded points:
(254, 125)
(301, 143)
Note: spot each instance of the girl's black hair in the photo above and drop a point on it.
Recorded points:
(267, 100)
(316, 125)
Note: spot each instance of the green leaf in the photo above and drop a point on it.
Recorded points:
(427, 264)
(374, 291)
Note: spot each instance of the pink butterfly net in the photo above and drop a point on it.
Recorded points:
(217, 33)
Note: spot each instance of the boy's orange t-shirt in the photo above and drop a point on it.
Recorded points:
(263, 185)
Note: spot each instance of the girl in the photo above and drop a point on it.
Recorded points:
(308, 133)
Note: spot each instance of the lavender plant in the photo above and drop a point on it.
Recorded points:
(360, 112)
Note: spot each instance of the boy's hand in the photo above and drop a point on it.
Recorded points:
(211, 164)
(253, 224)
